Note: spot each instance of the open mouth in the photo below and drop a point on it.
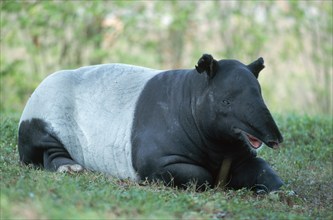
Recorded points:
(254, 142)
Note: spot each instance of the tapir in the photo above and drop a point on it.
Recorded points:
(174, 126)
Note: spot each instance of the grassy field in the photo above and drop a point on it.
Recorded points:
(304, 162)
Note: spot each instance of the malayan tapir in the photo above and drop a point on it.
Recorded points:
(174, 126)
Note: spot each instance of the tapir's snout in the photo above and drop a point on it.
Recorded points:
(275, 143)
(272, 136)
(260, 128)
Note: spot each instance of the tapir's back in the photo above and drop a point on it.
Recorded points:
(91, 110)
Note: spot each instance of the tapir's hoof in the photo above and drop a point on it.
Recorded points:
(261, 192)
(260, 189)
(289, 193)
(70, 168)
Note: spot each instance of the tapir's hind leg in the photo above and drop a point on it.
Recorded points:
(58, 159)
(255, 174)
(36, 146)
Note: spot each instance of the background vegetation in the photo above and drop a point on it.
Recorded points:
(294, 37)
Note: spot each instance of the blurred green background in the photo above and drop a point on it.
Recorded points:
(294, 37)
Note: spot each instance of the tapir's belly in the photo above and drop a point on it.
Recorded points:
(91, 111)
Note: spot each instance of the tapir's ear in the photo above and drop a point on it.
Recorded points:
(207, 64)
(256, 66)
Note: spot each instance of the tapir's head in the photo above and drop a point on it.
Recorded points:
(232, 107)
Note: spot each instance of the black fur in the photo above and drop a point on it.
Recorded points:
(38, 147)
(185, 125)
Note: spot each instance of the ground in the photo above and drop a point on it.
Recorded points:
(304, 162)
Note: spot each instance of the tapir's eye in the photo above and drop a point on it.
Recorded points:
(226, 102)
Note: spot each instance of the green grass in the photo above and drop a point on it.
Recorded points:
(304, 162)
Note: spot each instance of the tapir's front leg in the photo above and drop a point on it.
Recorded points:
(255, 174)
(181, 174)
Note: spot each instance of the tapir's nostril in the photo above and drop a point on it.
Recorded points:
(273, 144)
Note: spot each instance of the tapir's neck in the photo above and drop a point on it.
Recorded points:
(184, 90)
(171, 97)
